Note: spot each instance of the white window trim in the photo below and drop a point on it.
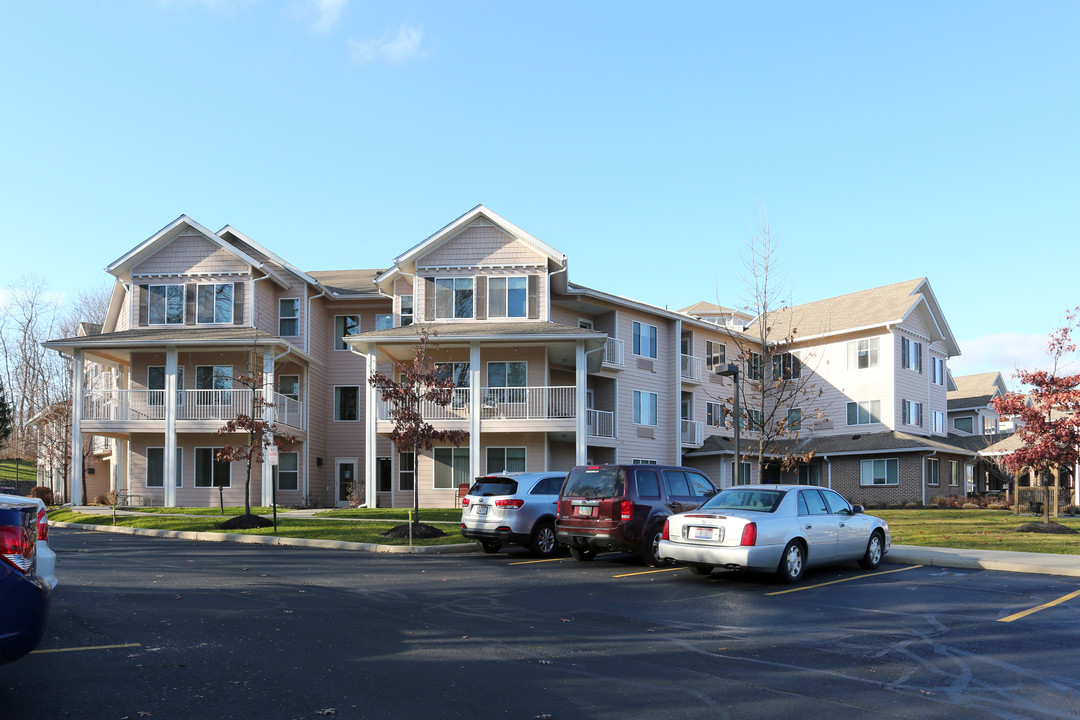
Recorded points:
(232, 303)
(334, 401)
(295, 317)
(282, 377)
(862, 482)
(213, 459)
(487, 372)
(719, 414)
(935, 463)
(179, 467)
(643, 461)
(656, 407)
(453, 317)
(183, 304)
(954, 473)
(869, 411)
(506, 297)
(401, 313)
(435, 465)
(415, 471)
(655, 343)
(277, 472)
(337, 338)
(504, 448)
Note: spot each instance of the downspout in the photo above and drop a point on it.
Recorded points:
(307, 393)
(829, 462)
(254, 280)
(565, 267)
(678, 393)
(925, 458)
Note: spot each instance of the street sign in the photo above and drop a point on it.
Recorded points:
(272, 455)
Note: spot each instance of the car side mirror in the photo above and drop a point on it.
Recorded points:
(857, 509)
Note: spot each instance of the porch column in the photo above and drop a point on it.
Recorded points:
(580, 429)
(170, 426)
(371, 413)
(76, 427)
(267, 392)
(474, 410)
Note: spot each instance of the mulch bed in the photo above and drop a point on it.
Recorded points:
(420, 531)
(1051, 527)
(246, 522)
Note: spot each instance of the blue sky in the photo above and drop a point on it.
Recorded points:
(884, 141)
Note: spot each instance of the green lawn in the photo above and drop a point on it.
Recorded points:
(349, 531)
(229, 510)
(975, 529)
(27, 472)
(426, 514)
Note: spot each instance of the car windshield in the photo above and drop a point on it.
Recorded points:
(595, 482)
(487, 487)
(745, 499)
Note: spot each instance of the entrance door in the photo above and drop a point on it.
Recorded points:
(347, 483)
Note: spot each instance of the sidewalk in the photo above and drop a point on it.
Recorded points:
(1002, 561)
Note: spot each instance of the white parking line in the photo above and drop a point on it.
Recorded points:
(90, 647)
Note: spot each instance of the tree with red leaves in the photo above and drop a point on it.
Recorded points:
(420, 383)
(1050, 422)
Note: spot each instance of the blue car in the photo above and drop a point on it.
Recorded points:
(24, 597)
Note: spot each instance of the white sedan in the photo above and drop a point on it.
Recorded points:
(46, 558)
(781, 528)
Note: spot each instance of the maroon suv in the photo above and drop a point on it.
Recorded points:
(623, 507)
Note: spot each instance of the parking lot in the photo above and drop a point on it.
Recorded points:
(145, 627)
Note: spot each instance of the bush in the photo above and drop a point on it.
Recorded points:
(100, 500)
(911, 505)
(44, 493)
(971, 506)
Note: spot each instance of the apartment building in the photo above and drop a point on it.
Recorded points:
(548, 373)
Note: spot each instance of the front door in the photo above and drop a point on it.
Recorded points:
(347, 485)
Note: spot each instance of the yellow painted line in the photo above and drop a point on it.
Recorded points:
(649, 572)
(833, 582)
(80, 649)
(1050, 604)
(533, 562)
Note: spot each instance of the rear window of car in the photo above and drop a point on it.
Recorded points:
(595, 482)
(745, 499)
(487, 487)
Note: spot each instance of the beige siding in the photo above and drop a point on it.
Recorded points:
(320, 477)
(481, 244)
(190, 253)
(662, 379)
(840, 385)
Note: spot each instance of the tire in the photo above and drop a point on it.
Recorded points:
(489, 546)
(652, 545)
(582, 554)
(792, 563)
(543, 544)
(701, 569)
(875, 551)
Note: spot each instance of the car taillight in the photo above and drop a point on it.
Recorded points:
(749, 534)
(666, 535)
(512, 503)
(42, 525)
(626, 509)
(17, 547)
(464, 502)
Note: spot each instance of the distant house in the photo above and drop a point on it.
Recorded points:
(970, 408)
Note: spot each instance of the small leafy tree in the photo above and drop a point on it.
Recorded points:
(420, 383)
(1050, 422)
(5, 416)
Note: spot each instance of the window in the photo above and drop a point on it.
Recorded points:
(794, 419)
(457, 370)
(644, 340)
(644, 408)
(964, 424)
(912, 413)
(345, 325)
(287, 471)
(508, 297)
(879, 472)
(209, 471)
(155, 380)
(641, 461)
(753, 366)
(714, 414)
(954, 473)
(508, 374)
(165, 304)
(648, 484)
(812, 503)
(383, 474)
(700, 486)
(744, 473)
(346, 403)
(786, 366)
(505, 459)
(937, 370)
(289, 317)
(406, 470)
(384, 321)
(406, 310)
(754, 418)
(933, 471)
(451, 467)
(938, 420)
(862, 354)
(585, 324)
(453, 298)
(715, 355)
(213, 384)
(215, 303)
(155, 467)
(289, 386)
(911, 354)
(864, 413)
(809, 474)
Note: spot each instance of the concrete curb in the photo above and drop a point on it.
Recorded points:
(1002, 561)
(273, 540)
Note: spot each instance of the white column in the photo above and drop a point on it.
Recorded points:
(580, 434)
(170, 426)
(76, 427)
(474, 410)
(371, 412)
(267, 392)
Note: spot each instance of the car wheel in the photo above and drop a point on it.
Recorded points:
(582, 554)
(701, 569)
(792, 562)
(543, 543)
(650, 550)
(489, 546)
(875, 550)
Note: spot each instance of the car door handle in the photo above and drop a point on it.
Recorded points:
(841, 524)
(809, 527)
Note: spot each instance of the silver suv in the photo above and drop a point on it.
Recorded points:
(513, 509)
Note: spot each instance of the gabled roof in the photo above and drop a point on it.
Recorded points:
(976, 391)
(352, 283)
(246, 244)
(864, 310)
(707, 308)
(855, 444)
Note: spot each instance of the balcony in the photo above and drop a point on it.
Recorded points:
(147, 406)
(692, 432)
(600, 423)
(613, 354)
(690, 368)
(501, 403)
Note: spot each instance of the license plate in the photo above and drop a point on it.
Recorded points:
(584, 511)
(704, 533)
(481, 509)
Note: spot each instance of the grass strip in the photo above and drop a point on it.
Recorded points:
(975, 530)
(426, 514)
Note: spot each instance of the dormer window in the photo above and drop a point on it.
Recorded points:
(165, 304)
(453, 298)
(215, 303)
(508, 297)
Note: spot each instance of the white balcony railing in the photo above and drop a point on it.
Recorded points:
(692, 432)
(140, 405)
(613, 352)
(600, 423)
(502, 403)
(690, 368)
(457, 409)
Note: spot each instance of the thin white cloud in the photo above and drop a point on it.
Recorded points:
(1004, 353)
(392, 48)
(324, 16)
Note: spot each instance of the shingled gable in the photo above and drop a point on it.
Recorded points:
(976, 391)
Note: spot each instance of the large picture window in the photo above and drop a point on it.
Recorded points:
(209, 471)
(458, 371)
(453, 298)
(862, 354)
(508, 297)
(879, 472)
(165, 304)
(864, 413)
(505, 459)
(644, 408)
(451, 467)
(644, 340)
(215, 303)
